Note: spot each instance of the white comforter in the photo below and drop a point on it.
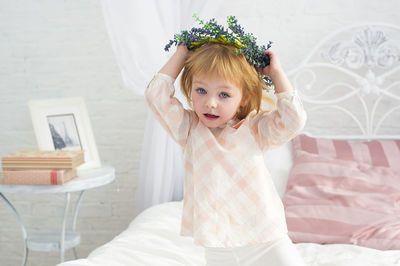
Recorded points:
(153, 238)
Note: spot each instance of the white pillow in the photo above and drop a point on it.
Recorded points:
(279, 161)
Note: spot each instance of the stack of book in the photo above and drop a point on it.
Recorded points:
(40, 167)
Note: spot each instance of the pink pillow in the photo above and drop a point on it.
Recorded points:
(377, 152)
(350, 197)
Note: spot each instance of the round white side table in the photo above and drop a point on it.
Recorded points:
(64, 239)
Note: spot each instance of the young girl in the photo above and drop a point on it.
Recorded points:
(230, 204)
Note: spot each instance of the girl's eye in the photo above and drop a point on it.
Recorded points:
(224, 95)
(201, 91)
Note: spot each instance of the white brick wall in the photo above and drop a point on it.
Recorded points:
(55, 48)
(61, 49)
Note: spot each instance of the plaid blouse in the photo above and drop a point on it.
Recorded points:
(229, 197)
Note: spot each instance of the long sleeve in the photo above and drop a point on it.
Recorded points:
(276, 128)
(171, 114)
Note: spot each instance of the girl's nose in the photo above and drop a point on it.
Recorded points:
(211, 103)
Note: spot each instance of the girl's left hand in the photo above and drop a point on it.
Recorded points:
(275, 71)
(274, 67)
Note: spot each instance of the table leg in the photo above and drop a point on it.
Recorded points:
(62, 240)
(21, 224)
(78, 203)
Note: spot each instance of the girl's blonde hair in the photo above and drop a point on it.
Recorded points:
(222, 61)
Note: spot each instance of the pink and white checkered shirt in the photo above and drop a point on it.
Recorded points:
(229, 196)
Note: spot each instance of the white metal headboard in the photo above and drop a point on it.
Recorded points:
(350, 83)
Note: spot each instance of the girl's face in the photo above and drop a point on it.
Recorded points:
(215, 100)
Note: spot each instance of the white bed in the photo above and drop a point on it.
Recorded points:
(354, 74)
(153, 239)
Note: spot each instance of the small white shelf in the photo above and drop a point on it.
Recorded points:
(50, 241)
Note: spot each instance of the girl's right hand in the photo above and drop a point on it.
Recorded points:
(176, 62)
(183, 51)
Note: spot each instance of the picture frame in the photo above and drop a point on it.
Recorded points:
(64, 123)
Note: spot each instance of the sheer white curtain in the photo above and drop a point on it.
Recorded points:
(138, 31)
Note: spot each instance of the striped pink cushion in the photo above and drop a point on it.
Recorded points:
(377, 153)
(344, 192)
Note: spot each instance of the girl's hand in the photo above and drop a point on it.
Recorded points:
(275, 72)
(183, 52)
(176, 62)
(274, 68)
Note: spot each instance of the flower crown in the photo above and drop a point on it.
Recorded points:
(211, 32)
(214, 33)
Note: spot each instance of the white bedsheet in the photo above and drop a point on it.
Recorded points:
(153, 238)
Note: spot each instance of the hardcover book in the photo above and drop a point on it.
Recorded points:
(58, 159)
(37, 177)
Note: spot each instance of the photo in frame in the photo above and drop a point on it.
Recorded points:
(64, 124)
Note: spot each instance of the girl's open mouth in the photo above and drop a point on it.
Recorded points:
(211, 116)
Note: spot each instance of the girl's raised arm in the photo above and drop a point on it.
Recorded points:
(160, 97)
(276, 128)
(176, 62)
